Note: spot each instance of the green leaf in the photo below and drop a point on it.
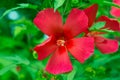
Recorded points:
(104, 2)
(16, 59)
(116, 33)
(75, 1)
(12, 61)
(97, 1)
(7, 68)
(19, 59)
(106, 30)
(104, 60)
(18, 30)
(71, 75)
(26, 5)
(20, 6)
(110, 4)
(97, 25)
(58, 3)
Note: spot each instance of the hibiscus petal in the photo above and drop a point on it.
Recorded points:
(48, 21)
(106, 46)
(44, 49)
(115, 11)
(76, 23)
(91, 13)
(59, 62)
(116, 2)
(110, 23)
(81, 48)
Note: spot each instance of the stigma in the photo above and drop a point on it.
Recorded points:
(61, 42)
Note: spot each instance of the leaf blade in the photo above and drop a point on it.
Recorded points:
(58, 3)
(97, 25)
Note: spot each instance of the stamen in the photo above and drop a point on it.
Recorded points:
(60, 42)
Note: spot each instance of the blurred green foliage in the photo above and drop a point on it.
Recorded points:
(18, 36)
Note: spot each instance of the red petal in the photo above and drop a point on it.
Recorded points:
(91, 13)
(45, 48)
(81, 48)
(115, 11)
(76, 23)
(110, 23)
(48, 21)
(59, 62)
(116, 2)
(106, 46)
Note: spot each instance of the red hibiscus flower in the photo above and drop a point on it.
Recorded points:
(103, 44)
(115, 11)
(61, 39)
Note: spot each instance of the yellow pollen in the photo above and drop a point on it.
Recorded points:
(60, 42)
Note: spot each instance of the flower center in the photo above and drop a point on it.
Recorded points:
(60, 42)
